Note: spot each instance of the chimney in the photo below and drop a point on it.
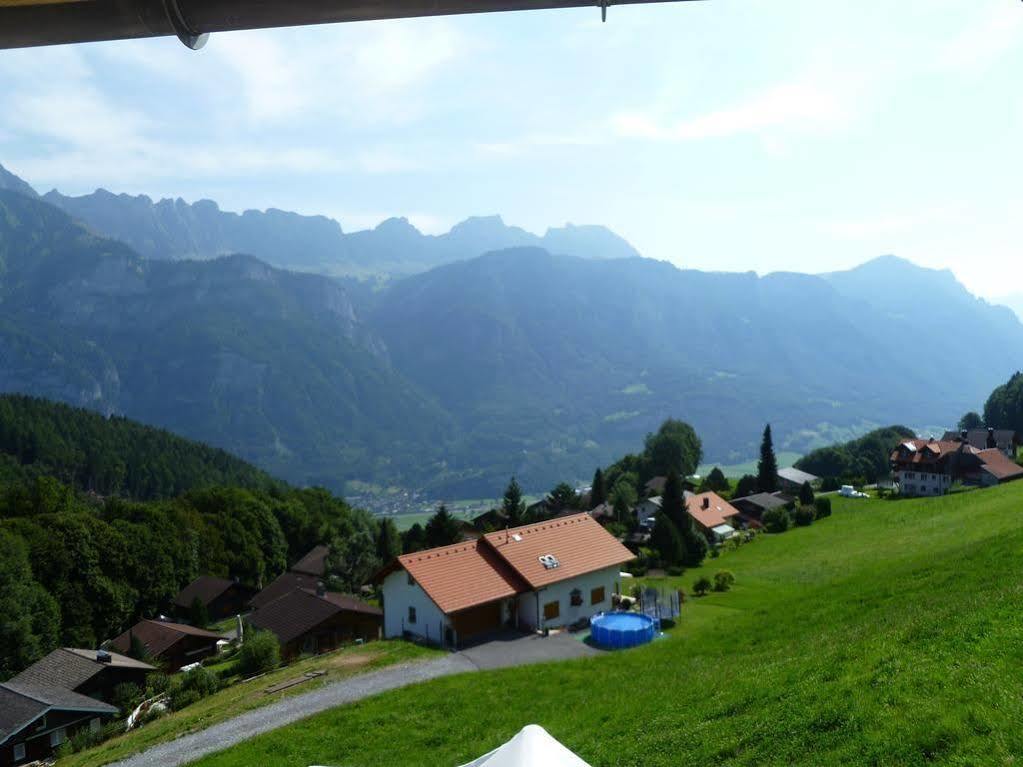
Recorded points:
(991, 441)
(321, 590)
(706, 503)
(964, 436)
(102, 656)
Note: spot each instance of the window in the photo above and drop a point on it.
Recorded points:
(411, 580)
(19, 752)
(597, 596)
(57, 737)
(411, 614)
(576, 598)
(551, 610)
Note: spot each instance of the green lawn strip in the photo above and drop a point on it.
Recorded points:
(888, 634)
(245, 696)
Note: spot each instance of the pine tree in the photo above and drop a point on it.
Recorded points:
(715, 481)
(598, 493)
(667, 541)
(413, 539)
(442, 529)
(767, 468)
(513, 506)
(673, 500)
(388, 541)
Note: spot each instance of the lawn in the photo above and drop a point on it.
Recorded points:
(248, 695)
(888, 634)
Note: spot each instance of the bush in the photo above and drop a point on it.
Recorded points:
(260, 652)
(675, 570)
(830, 484)
(667, 623)
(823, 507)
(193, 686)
(776, 520)
(806, 494)
(805, 515)
(702, 586)
(723, 580)
(126, 696)
(636, 591)
(181, 698)
(156, 683)
(715, 552)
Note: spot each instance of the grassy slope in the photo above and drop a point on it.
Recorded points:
(249, 695)
(889, 634)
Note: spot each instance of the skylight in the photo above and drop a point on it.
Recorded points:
(549, 561)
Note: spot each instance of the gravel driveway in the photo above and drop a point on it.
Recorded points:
(190, 747)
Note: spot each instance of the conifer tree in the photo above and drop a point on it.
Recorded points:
(767, 467)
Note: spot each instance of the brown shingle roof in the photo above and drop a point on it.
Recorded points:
(299, 611)
(717, 512)
(462, 575)
(999, 465)
(578, 543)
(158, 636)
(71, 667)
(283, 584)
(314, 563)
(205, 587)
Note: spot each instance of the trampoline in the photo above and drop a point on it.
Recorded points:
(619, 630)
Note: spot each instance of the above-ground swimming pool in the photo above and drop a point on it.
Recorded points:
(621, 629)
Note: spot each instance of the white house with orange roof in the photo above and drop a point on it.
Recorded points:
(534, 577)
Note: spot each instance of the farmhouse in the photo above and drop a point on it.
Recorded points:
(173, 644)
(222, 597)
(533, 577)
(36, 718)
(89, 672)
(792, 480)
(314, 621)
(752, 507)
(314, 563)
(306, 573)
(924, 467)
(1006, 440)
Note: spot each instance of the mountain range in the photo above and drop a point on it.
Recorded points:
(498, 356)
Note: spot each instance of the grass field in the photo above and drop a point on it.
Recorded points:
(248, 695)
(889, 634)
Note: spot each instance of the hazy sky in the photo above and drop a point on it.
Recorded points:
(727, 134)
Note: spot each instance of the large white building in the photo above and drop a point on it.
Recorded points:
(539, 576)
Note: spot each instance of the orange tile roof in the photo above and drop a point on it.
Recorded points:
(1000, 465)
(462, 575)
(578, 542)
(718, 510)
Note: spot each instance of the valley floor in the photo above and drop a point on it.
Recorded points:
(888, 634)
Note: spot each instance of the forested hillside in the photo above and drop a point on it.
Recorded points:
(862, 460)
(114, 455)
(77, 569)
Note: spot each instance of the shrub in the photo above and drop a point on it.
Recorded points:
(675, 570)
(702, 586)
(830, 484)
(156, 683)
(806, 494)
(260, 652)
(723, 580)
(126, 696)
(181, 698)
(667, 623)
(823, 507)
(715, 552)
(804, 516)
(776, 520)
(192, 686)
(636, 591)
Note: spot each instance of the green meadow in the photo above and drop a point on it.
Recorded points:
(888, 634)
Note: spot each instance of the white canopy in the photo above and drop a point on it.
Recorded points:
(532, 747)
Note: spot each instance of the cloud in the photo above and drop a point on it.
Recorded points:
(980, 43)
(797, 107)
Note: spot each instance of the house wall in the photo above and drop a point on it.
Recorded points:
(101, 686)
(562, 592)
(36, 737)
(186, 650)
(918, 483)
(339, 629)
(646, 510)
(430, 623)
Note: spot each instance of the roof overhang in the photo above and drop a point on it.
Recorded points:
(26, 23)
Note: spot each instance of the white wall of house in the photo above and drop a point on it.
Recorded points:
(532, 618)
(918, 483)
(399, 596)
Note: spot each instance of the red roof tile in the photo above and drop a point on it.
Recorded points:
(999, 465)
(718, 511)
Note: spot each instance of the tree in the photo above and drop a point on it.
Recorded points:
(388, 540)
(971, 420)
(695, 544)
(137, 649)
(623, 498)
(29, 616)
(806, 494)
(442, 529)
(674, 446)
(804, 516)
(563, 496)
(598, 492)
(767, 467)
(715, 481)
(723, 580)
(261, 652)
(822, 507)
(776, 520)
(673, 502)
(747, 485)
(198, 616)
(413, 539)
(667, 541)
(513, 506)
(702, 586)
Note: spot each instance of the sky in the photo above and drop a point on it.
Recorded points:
(731, 135)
